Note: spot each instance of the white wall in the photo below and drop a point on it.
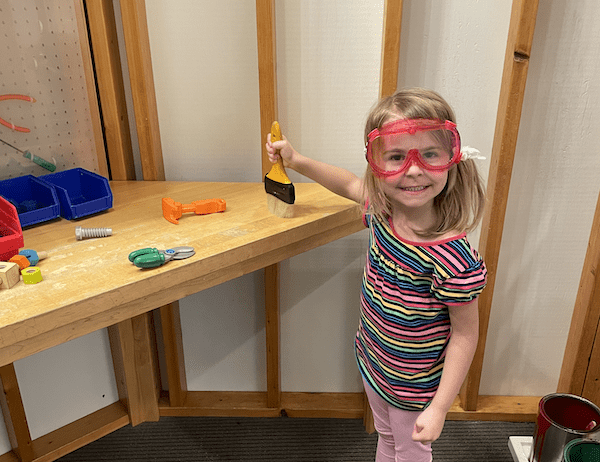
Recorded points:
(204, 61)
(67, 382)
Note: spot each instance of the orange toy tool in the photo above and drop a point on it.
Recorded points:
(172, 210)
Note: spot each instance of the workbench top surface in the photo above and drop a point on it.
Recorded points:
(89, 284)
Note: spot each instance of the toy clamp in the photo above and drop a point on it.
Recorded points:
(153, 258)
(173, 210)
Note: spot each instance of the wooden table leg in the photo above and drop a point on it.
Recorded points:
(272, 335)
(173, 345)
(134, 359)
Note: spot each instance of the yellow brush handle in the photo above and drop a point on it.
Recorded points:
(277, 172)
(275, 132)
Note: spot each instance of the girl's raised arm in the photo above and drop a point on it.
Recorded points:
(336, 179)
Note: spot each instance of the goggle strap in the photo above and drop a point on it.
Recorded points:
(468, 152)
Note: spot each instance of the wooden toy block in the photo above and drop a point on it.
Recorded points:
(9, 274)
(20, 260)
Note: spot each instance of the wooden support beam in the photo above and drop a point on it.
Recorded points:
(135, 366)
(335, 405)
(319, 405)
(272, 336)
(591, 386)
(267, 82)
(582, 339)
(111, 90)
(512, 92)
(90, 83)
(77, 434)
(267, 73)
(141, 77)
(9, 457)
(14, 414)
(390, 48)
(498, 409)
(173, 344)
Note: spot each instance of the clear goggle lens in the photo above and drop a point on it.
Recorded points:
(431, 144)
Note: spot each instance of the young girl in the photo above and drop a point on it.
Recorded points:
(419, 321)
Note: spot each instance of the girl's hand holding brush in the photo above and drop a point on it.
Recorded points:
(283, 149)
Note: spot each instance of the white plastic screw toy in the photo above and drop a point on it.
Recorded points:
(86, 233)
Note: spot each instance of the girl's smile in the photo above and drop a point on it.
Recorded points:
(414, 189)
(411, 197)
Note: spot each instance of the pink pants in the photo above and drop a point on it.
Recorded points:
(395, 428)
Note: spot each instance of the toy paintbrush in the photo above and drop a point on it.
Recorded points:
(279, 188)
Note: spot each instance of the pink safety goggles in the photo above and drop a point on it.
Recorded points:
(429, 143)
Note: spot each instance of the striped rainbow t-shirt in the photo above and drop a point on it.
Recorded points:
(404, 324)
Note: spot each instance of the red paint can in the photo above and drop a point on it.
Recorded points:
(561, 419)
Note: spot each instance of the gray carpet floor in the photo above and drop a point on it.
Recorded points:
(203, 439)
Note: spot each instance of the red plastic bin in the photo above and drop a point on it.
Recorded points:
(11, 235)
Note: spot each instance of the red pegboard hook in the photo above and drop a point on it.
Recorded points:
(8, 124)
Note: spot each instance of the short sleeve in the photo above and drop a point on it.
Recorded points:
(463, 287)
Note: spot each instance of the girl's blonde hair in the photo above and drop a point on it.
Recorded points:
(459, 207)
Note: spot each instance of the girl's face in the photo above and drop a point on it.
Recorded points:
(416, 187)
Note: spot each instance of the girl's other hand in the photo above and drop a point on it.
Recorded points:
(429, 425)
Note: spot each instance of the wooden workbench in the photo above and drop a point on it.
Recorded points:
(90, 284)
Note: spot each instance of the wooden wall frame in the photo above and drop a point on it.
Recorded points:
(88, 67)
(141, 77)
(390, 47)
(111, 89)
(267, 84)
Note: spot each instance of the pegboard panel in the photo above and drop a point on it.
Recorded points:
(41, 56)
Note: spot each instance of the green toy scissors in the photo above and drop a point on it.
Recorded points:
(153, 258)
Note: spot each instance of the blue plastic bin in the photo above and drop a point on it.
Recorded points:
(35, 200)
(80, 192)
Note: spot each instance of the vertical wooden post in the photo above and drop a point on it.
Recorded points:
(88, 68)
(583, 342)
(390, 47)
(267, 73)
(267, 81)
(111, 91)
(514, 78)
(591, 385)
(135, 365)
(14, 414)
(173, 344)
(272, 333)
(137, 45)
